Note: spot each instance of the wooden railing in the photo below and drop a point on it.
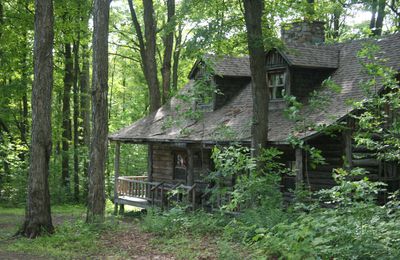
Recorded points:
(180, 193)
(218, 201)
(134, 186)
(158, 193)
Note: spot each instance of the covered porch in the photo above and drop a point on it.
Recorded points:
(148, 190)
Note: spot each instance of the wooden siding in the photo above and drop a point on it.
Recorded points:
(333, 151)
(163, 162)
(274, 59)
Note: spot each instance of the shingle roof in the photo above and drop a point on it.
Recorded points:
(324, 56)
(233, 121)
(226, 66)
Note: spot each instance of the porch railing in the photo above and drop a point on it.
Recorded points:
(134, 186)
(157, 193)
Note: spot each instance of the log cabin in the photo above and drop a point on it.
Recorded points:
(180, 143)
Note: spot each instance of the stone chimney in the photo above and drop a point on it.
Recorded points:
(304, 32)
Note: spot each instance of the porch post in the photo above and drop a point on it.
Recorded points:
(190, 173)
(150, 163)
(299, 166)
(116, 175)
(348, 150)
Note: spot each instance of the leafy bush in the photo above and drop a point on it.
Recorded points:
(344, 223)
(178, 221)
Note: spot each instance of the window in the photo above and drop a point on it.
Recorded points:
(180, 166)
(277, 83)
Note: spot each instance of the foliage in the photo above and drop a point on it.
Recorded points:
(177, 221)
(378, 122)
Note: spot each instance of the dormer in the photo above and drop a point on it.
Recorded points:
(229, 76)
(302, 64)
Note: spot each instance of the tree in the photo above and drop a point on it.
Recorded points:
(377, 15)
(147, 48)
(168, 45)
(98, 147)
(253, 10)
(38, 214)
(66, 116)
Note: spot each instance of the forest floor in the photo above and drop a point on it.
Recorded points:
(120, 238)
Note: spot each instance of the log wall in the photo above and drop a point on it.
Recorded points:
(333, 150)
(163, 162)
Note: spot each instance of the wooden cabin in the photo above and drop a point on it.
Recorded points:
(180, 145)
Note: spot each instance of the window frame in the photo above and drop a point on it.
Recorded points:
(273, 88)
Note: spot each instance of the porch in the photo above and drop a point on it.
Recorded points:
(139, 192)
(172, 177)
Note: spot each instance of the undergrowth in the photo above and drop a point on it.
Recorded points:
(344, 222)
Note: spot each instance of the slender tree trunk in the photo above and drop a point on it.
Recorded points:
(1, 18)
(380, 17)
(75, 119)
(336, 24)
(85, 113)
(123, 93)
(374, 7)
(177, 56)
(24, 100)
(98, 148)
(168, 47)
(253, 12)
(66, 117)
(38, 214)
(85, 100)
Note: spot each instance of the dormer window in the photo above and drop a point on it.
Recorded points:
(277, 83)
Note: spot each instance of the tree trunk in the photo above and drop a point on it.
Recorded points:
(253, 12)
(380, 17)
(168, 46)
(336, 23)
(75, 119)
(147, 46)
(98, 148)
(151, 64)
(177, 56)
(38, 214)
(374, 7)
(84, 79)
(66, 117)
(1, 18)
(24, 100)
(85, 113)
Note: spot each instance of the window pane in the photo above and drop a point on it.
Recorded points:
(276, 85)
(279, 91)
(281, 80)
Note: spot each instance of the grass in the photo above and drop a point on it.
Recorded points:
(197, 235)
(190, 236)
(72, 235)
